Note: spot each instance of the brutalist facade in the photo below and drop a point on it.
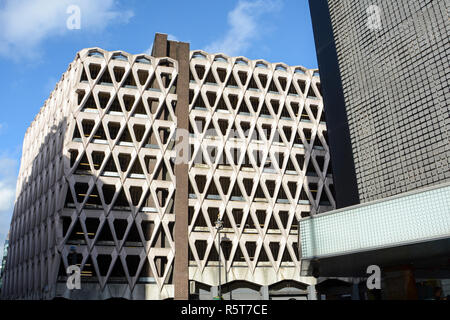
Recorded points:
(101, 187)
(385, 76)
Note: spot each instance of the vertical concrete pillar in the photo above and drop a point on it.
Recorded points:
(312, 293)
(265, 292)
(181, 270)
(214, 292)
(160, 46)
(180, 52)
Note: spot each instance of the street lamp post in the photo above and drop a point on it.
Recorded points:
(226, 241)
(219, 226)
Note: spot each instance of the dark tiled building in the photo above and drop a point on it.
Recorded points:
(385, 80)
(384, 66)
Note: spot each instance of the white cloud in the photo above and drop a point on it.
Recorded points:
(171, 37)
(25, 24)
(149, 50)
(246, 25)
(8, 169)
(7, 193)
(7, 165)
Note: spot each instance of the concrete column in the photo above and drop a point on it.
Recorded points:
(160, 46)
(312, 293)
(181, 270)
(180, 52)
(265, 292)
(214, 292)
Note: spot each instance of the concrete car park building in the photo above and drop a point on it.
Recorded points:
(385, 79)
(101, 187)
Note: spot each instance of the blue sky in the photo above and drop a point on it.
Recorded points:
(36, 47)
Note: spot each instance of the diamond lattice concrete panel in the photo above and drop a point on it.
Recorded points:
(96, 185)
(259, 162)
